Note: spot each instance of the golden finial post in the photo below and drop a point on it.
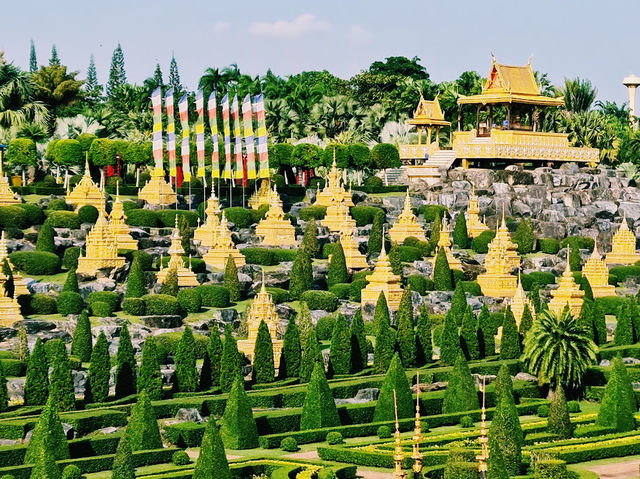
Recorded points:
(398, 455)
(483, 457)
(417, 433)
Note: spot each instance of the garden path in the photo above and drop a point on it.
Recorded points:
(309, 455)
(368, 474)
(620, 470)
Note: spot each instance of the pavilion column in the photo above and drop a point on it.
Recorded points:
(419, 135)
(428, 135)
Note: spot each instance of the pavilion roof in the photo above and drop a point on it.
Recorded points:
(427, 113)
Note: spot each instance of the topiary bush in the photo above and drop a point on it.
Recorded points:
(88, 214)
(167, 218)
(418, 283)
(72, 472)
(320, 300)
(543, 411)
(70, 257)
(101, 309)
(41, 303)
(279, 295)
(180, 458)
(313, 212)
(471, 287)
(190, 299)
(341, 290)
(355, 289)
(214, 296)
(133, 306)
(373, 182)
(58, 205)
(13, 216)
(261, 256)
(161, 304)
(289, 444)
(549, 245)
(480, 244)
(364, 214)
(578, 242)
(540, 277)
(324, 327)
(35, 262)
(334, 437)
(384, 432)
(618, 274)
(429, 212)
(63, 219)
(110, 297)
(240, 217)
(409, 254)
(466, 422)
(69, 303)
(573, 406)
(141, 217)
(34, 213)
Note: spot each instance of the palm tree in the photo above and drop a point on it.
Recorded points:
(578, 94)
(558, 349)
(18, 92)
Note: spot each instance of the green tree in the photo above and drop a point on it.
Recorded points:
(123, 461)
(48, 434)
(36, 386)
(310, 356)
(375, 235)
(460, 234)
(460, 394)
(510, 342)
(186, 376)
(395, 380)
(231, 281)
(82, 342)
(442, 277)
(301, 277)
(150, 377)
(126, 365)
(394, 260)
(406, 337)
(117, 75)
(599, 323)
(44, 466)
(61, 383)
(305, 325)
(358, 342)
(424, 345)
(170, 284)
(291, 351)
(434, 236)
(91, 85)
(381, 313)
(230, 366)
(618, 403)
(524, 237)
(534, 296)
(319, 408)
(458, 304)
(575, 262)
(4, 393)
(310, 238)
(526, 322)
(340, 351)
(97, 388)
(263, 362)
(469, 336)
(486, 340)
(45, 241)
(22, 352)
(559, 420)
(135, 281)
(71, 283)
(624, 328)
(385, 155)
(143, 428)
(385, 338)
(174, 76)
(22, 152)
(213, 357)
(54, 60)
(495, 464)
(450, 342)
(185, 234)
(238, 427)
(33, 62)
(505, 432)
(212, 460)
(337, 272)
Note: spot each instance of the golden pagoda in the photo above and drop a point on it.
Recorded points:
(568, 292)
(337, 217)
(398, 452)
(262, 196)
(333, 190)
(474, 225)
(445, 242)
(101, 248)
(596, 271)
(354, 258)
(86, 192)
(274, 229)
(186, 277)
(383, 280)
(518, 303)
(157, 191)
(222, 248)
(206, 233)
(407, 224)
(117, 218)
(7, 196)
(9, 307)
(623, 246)
(262, 309)
(19, 283)
(503, 237)
(497, 281)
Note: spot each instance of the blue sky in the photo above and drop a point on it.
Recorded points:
(569, 38)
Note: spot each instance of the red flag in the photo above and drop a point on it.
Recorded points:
(245, 180)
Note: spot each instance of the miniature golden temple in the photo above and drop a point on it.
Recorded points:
(19, 283)
(86, 192)
(157, 191)
(567, 293)
(9, 307)
(186, 277)
(518, 303)
(117, 219)
(262, 196)
(407, 224)
(7, 196)
(222, 248)
(101, 249)
(427, 116)
(334, 189)
(383, 280)
(474, 225)
(262, 309)
(354, 259)
(445, 242)
(206, 233)
(274, 229)
(623, 246)
(597, 273)
(497, 281)
(338, 217)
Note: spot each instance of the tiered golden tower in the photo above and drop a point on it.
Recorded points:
(383, 280)
(333, 190)
(474, 225)
(445, 242)
(483, 457)
(354, 258)
(407, 225)
(596, 271)
(338, 217)
(222, 248)
(19, 284)
(157, 191)
(623, 246)
(117, 218)
(518, 303)
(86, 192)
(274, 229)
(9, 307)
(7, 196)
(262, 196)
(568, 292)
(509, 247)
(206, 233)
(101, 249)
(497, 281)
(186, 277)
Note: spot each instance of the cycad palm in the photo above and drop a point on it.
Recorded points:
(558, 349)
(18, 105)
(578, 94)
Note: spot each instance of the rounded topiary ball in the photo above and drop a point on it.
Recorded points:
(88, 214)
(573, 406)
(289, 444)
(543, 411)
(133, 306)
(101, 309)
(466, 422)
(334, 437)
(72, 472)
(70, 303)
(384, 432)
(180, 458)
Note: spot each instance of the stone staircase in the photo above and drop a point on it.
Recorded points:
(441, 158)
(393, 175)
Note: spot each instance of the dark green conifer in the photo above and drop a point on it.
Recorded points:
(599, 323)
(143, 428)
(358, 340)
(618, 403)
(394, 260)
(291, 351)
(212, 460)
(230, 366)
(186, 376)
(526, 321)
(575, 262)
(624, 329)
(150, 377)
(395, 380)
(310, 238)
(450, 341)
(534, 296)
(45, 241)
(374, 246)
(337, 272)
(460, 394)
(238, 427)
(424, 345)
(310, 356)
(510, 342)
(71, 283)
(231, 281)
(442, 277)
(586, 287)
(524, 237)
(97, 388)
(385, 340)
(406, 337)
(559, 419)
(61, 383)
(81, 344)
(123, 467)
(170, 284)
(263, 362)
(135, 281)
(469, 336)
(505, 431)
(458, 304)
(22, 351)
(210, 375)
(460, 234)
(48, 434)
(486, 340)
(36, 386)
(44, 466)
(4, 393)
(305, 325)
(185, 234)
(340, 350)
(9, 284)
(319, 408)
(381, 313)
(126, 365)
(301, 276)
(434, 237)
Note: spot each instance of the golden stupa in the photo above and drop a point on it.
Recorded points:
(333, 190)
(186, 277)
(206, 233)
(623, 246)
(407, 225)
(568, 292)
(262, 309)
(19, 283)
(222, 248)
(101, 249)
(354, 258)
(518, 303)
(383, 280)
(274, 229)
(157, 191)
(9, 307)
(338, 217)
(86, 192)
(7, 196)
(117, 219)
(503, 237)
(445, 242)
(497, 281)
(262, 196)
(596, 271)
(474, 225)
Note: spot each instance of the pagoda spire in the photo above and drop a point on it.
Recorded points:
(483, 457)
(398, 455)
(417, 433)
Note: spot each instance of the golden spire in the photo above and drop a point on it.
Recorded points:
(398, 455)
(1, 171)
(483, 439)
(417, 432)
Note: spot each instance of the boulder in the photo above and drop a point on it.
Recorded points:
(189, 414)
(164, 321)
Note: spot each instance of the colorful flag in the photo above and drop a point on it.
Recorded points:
(200, 132)
(247, 125)
(213, 125)
(183, 109)
(171, 132)
(263, 152)
(235, 115)
(156, 104)
(226, 173)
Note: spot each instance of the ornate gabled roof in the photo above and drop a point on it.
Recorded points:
(428, 112)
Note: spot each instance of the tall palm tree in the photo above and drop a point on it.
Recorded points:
(558, 349)
(579, 94)
(18, 93)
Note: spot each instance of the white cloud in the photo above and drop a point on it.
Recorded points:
(220, 27)
(359, 35)
(302, 25)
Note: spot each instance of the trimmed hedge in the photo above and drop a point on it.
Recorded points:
(471, 287)
(63, 219)
(167, 345)
(214, 296)
(618, 274)
(13, 217)
(543, 278)
(480, 244)
(409, 254)
(313, 212)
(320, 300)
(167, 218)
(578, 242)
(341, 290)
(101, 309)
(549, 245)
(41, 303)
(240, 217)
(364, 214)
(190, 300)
(110, 297)
(35, 215)
(69, 303)
(161, 304)
(279, 295)
(142, 217)
(35, 262)
(133, 306)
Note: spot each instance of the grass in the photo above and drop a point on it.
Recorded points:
(387, 195)
(58, 278)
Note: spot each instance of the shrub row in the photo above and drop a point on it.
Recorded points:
(35, 262)
(268, 256)
(160, 218)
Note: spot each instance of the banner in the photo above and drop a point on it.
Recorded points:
(226, 173)
(213, 125)
(237, 135)
(171, 132)
(263, 152)
(156, 103)
(200, 132)
(183, 109)
(247, 125)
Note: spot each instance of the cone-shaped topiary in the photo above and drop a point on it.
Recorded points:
(559, 420)
(340, 351)
(48, 434)
(4, 393)
(385, 341)
(395, 380)
(575, 262)
(586, 287)
(44, 466)
(143, 428)
(434, 237)
(213, 356)
(406, 337)
(524, 237)
(212, 460)
(319, 408)
(126, 365)
(450, 341)
(394, 260)
(526, 321)
(263, 362)
(635, 318)
(534, 296)
(45, 241)
(71, 283)
(460, 234)
(510, 342)
(22, 352)
(618, 403)
(301, 276)
(358, 342)
(36, 386)
(238, 428)
(460, 464)
(185, 234)
(150, 377)
(170, 284)
(9, 284)
(374, 246)
(469, 336)
(381, 313)
(624, 329)
(186, 376)
(291, 351)
(123, 461)
(97, 388)
(305, 325)
(505, 431)
(486, 339)
(61, 383)
(231, 281)
(310, 238)
(337, 272)
(310, 356)
(81, 345)
(230, 366)
(424, 345)
(495, 464)
(135, 281)
(442, 277)
(599, 323)
(458, 304)
(460, 394)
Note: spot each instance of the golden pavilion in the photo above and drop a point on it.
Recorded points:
(518, 303)
(9, 307)
(383, 280)
(19, 283)
(157, 191)
(222, 248)
(7, 196)
(334, 190)
(354, 259)
(596, 271)
(274, 229)
(474, 225)
(623, 246)
(497, 281)
(86, 192)
(337, 217)
(445, 242)
(407, 224)
(567, 293)
(101, 248)
(117, 219)
(427, 116)
(186, 277)
(206, 233)
(262, 309)
(262, 196)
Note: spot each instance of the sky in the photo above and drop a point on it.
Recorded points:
(567, 38)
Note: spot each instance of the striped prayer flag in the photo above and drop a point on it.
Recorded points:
(183, 109)
(200, 132)
(171, 132)
(156, 105)
(261, 133)
(226, 173)
(247, 125)
(213, 125)
(237, 135)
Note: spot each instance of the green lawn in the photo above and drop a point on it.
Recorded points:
(58, 278)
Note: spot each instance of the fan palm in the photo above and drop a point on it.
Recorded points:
(578, 94)
(558, 349)
(18, 92)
